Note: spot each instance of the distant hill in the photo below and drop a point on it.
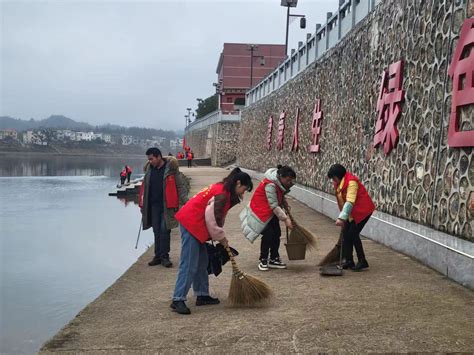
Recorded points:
(62, 122)
(54, 121)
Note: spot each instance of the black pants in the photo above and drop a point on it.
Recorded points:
(190, 162)
(271, 240)
(122, 180)
(162, 234)
(128, 176)
(352, 240)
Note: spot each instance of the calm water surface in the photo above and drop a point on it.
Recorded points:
(63, 241)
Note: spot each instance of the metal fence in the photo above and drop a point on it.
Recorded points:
(211, 118)
(349, 13)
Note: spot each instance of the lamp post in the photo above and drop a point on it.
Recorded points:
(288, 4)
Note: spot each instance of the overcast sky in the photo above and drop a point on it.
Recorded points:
(129, 62)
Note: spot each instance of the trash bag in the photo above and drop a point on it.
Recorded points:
(217, 257)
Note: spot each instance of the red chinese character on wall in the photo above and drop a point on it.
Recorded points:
(389, 108)
(281, 130)
(316, 127)
(294, 145)
(269, 133)
(461, 70)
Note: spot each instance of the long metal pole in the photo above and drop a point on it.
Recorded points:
(287, 26)
(139, 230)
(251, 65)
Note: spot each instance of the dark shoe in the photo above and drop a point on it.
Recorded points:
(361, 265)
(180, 307)
(205, 300)
(276, 264)
(155, 261)
(166, 263)
(348, 264)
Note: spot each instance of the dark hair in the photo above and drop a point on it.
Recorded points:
(154, 151)
(231, 180)
(285, 171)
(337, 170)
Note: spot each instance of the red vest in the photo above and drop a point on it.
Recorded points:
(364, 205)
(191, 215)
(259, 203)
(171, 193)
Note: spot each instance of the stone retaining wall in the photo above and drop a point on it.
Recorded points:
(422, 179)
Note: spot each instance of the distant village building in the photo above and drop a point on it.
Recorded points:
(127, 140)
(35, 137)
(13, 134)
(176, 143)
(84, 136)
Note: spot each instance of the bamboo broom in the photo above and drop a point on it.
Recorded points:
(246, 290)
(301, 233)
(334, 253)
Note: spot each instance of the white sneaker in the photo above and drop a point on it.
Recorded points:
(276, 264)
(263, 265)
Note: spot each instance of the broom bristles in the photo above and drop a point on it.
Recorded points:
(331, 257)
(247, 291)
(301, 234)
(307, 236)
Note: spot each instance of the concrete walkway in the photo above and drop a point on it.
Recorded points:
(398, 305)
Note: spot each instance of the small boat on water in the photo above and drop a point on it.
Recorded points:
(131, 188)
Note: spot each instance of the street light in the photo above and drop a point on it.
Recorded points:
(288, 4)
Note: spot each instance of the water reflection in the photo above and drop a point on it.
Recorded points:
(48, 165)
(128, 200)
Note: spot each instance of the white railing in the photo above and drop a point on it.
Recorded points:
(211, 118)
(349, 13)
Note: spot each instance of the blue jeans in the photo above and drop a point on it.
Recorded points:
(192, 268)
(162, 234)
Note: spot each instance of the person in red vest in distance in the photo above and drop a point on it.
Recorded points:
(264, 213)
(356, 207)
(123, 176)
(129, 172)
(190, 159)
(162, 191)
(201, 219)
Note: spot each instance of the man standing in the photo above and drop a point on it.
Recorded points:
(163, 191)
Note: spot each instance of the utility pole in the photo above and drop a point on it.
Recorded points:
(251, 48)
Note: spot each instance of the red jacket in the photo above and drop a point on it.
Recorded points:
(190, 156)
(363, 206)
(192, 215)
(171, 193)
(259, 203)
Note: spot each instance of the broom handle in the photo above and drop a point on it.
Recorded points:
(231, 257)
(287, 210)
